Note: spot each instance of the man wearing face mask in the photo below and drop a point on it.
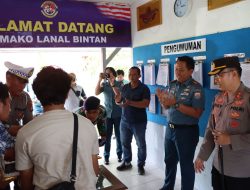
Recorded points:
(108, 85)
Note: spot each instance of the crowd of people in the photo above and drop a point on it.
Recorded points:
(41, 146)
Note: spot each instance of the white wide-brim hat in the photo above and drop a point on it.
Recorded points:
(19, 71)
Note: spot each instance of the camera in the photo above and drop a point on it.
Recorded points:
(107, 75)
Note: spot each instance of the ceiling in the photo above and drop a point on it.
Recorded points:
(116, 1)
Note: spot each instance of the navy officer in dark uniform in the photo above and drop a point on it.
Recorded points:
(185, 101)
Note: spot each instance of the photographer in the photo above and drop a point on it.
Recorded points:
(109, 86)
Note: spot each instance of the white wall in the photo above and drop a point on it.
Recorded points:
(155, 144)
(199, 21)
(203, 180)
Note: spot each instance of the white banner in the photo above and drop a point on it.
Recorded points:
(184, 47)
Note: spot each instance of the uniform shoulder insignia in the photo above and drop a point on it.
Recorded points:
(194, 81)
(196, 84)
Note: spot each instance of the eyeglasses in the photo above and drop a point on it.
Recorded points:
(221, 74)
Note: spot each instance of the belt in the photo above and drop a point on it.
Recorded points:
(174, 126)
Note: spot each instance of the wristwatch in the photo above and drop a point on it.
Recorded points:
(176, 105)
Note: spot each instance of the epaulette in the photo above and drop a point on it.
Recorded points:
(196, 82)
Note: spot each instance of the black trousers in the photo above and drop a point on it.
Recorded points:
(7, 188)
(230, 183)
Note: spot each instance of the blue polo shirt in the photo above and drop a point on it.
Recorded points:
(189, 93)
(112, 109)
(132, 114)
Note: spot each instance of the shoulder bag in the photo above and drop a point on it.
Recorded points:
(70, 185)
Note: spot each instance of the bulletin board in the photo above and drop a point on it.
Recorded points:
(217, 45)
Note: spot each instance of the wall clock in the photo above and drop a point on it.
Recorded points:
(181, 7)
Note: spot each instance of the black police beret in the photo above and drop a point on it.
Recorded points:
(226, 62)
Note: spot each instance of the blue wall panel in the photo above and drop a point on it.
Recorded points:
(236, 41)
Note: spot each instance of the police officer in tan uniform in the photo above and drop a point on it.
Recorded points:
(228, 130)
(21, 105)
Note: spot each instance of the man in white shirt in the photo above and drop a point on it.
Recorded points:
(76, 96)
(44, 145)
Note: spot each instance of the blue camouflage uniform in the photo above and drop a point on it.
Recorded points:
(100, 121)
(182, 133)
(6, 140)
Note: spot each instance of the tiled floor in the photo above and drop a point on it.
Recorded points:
(152, 180)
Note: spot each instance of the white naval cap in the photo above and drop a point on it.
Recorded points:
(19, 71)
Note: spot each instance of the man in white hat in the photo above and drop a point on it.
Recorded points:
(17, 78)
(21, 105)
